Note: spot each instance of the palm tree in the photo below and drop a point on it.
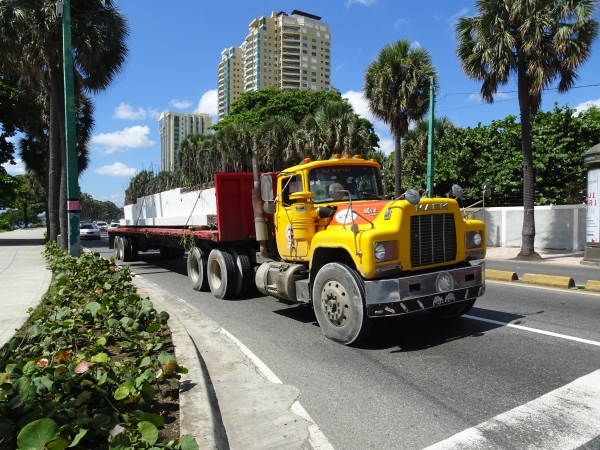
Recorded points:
(397, 88)
(539, 41)
(99, 51)
(273, 138)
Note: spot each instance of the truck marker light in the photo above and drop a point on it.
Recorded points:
(390, 310)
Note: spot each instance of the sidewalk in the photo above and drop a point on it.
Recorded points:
(564, 257)
(23, 277)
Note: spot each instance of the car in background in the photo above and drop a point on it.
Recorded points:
(89, 231)
(102, 225)
(114, 225)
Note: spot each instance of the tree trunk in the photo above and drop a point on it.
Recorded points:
(528, 233)
(398, 167)
(53, 172)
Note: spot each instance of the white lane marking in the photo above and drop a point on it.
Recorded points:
(534, 330)
(317, 439)
(565, 418)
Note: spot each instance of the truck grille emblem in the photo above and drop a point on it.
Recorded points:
(431, 206)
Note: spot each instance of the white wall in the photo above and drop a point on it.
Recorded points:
(556, 227)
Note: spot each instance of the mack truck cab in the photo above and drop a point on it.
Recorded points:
(357, 256)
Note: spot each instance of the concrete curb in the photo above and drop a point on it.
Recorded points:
(197, 416)
(549, 280)
(500, 275)
(592, 285)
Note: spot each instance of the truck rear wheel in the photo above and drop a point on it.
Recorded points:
(221, 274)
(452, 311)
(118, 248)
(196, 269)
(244, 271)
(339, 303)
(125, 249)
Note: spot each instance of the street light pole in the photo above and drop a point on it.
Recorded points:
(70, 134)
(430, 137)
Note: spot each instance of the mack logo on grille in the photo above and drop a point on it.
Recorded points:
(431, 206)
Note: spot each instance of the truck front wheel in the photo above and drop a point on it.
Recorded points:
(339, 303)
(452, 311)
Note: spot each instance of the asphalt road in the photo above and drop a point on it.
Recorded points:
(417, 380)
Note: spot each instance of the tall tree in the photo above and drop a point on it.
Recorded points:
(397, 86)
(98, 34)
(539, 41)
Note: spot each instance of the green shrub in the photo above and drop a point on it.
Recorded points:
(86, 366)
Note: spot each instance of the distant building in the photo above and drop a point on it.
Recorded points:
(175, 127)
(288, 51)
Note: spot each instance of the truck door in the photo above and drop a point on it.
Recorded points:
(289, 248)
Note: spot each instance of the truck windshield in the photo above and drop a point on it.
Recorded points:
(362, 182)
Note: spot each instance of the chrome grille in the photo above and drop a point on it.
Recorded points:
(432, 239)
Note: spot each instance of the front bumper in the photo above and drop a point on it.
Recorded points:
(396, 296)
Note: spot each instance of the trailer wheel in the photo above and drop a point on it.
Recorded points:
(125, 249)
(118, 248)
(196, 269)
(244, 272)
(452, 311)
(339, 303)
(221, 274)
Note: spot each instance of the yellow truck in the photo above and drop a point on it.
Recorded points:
(322, 232)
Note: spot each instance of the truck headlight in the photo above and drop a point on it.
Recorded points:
(385, 251)
(473, 239)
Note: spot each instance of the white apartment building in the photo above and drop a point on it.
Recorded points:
(288, 51)
(174, 127)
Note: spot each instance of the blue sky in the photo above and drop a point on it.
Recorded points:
(175, 48)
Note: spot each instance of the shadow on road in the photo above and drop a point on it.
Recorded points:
(420, 331)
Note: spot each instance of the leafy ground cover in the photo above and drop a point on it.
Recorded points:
(93, 367)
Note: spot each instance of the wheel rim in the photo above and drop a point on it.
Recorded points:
(335, 303)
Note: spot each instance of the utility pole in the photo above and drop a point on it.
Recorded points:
(430, 137)
(70, 132)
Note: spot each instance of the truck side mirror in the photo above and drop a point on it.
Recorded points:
(487, 191)
(266, 187)
(458, 191)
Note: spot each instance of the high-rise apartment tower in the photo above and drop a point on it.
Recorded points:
(288, 51)
(175, 127)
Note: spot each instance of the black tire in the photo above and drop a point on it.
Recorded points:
(196, 269)
(221, 274)
(244, 271)
(452, 311)
(339, 303)
(118, 248)
(134, 250)
(126, 249)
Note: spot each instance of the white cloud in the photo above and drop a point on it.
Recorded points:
(361, 107)
(15, 169)
(361, 2)
(451, 21)
(131, 137)
(125, 111)
(181, 104)
(587, 105)
(208, 104)
(402, 24)
(116, 170)
(118, 199)
(497, 96)
(387, 146)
